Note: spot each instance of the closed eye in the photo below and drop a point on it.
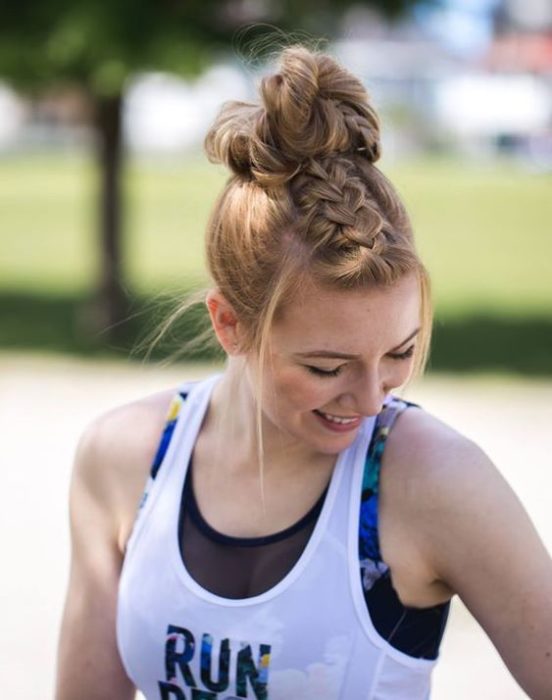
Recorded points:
(403, 355)
(324, 372)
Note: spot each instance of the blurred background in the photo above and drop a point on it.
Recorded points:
(104, 195)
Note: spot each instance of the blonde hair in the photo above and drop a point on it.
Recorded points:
(305, 202)
(305, 198)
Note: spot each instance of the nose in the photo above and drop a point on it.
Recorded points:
(365, 394)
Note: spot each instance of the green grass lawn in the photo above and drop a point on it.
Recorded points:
(484, 232)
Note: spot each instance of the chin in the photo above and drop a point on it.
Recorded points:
(334, 445)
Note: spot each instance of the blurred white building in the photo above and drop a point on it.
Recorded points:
(479, 110)
(166, 114)
(12, 116)
(430, 97)
(500, 101)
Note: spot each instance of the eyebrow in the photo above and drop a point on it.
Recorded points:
(344, 356)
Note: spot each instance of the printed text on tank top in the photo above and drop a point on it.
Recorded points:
(332, 620)
(203, 547)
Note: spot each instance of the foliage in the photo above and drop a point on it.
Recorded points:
(97, 45)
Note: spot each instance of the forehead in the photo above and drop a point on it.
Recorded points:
(349, 320)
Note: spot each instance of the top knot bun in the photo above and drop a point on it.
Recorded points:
(312, 107)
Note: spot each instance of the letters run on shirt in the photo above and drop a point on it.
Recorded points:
(251, 679)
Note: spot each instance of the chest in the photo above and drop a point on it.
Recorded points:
(244, 506)
(248, 500)
(306, 637)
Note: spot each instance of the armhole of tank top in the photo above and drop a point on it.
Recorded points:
(374, 572)
(368, 525)
(171, 420)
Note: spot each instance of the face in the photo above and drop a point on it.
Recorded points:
(332, 359)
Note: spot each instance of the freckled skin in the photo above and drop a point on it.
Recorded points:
(368, 324)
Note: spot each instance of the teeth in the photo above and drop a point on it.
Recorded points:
(337, 419)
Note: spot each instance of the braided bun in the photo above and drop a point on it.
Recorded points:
(311, 108)
(306, 203)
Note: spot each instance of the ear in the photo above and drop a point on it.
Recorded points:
(225, 322)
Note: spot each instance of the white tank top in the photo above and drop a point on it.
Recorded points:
(308, 638)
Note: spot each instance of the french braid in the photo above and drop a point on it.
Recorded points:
(305, 197)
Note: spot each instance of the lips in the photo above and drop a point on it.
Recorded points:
(338, 424)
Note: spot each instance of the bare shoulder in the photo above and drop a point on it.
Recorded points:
(114, 456)
(109, 474)
(423, 462)
(431, 454)
(438, 478)
(460, 517)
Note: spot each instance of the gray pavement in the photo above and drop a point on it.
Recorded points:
(45, 404)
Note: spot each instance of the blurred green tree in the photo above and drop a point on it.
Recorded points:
(96, 46)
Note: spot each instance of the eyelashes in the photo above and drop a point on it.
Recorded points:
(319, 372)
(409, 352)
(324, 372)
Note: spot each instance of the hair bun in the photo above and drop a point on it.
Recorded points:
(312, 107)
(228, 140)
(317, 107)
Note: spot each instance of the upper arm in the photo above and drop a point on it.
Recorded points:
(88, 661)
(109, 473)
(479, 540)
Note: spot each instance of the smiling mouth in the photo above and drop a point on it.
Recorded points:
(338, 420)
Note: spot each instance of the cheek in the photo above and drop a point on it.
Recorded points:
(294, 388)
(403, 372)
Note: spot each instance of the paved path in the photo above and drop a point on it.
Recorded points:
(44, 405)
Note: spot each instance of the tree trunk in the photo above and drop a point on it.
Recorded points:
(112, 299)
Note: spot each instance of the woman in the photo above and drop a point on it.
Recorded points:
(303, 530)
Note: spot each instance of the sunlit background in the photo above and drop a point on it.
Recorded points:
(104, 195)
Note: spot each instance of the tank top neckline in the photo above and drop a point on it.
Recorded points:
(311, 631)
(190, 421)
(189, 505)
